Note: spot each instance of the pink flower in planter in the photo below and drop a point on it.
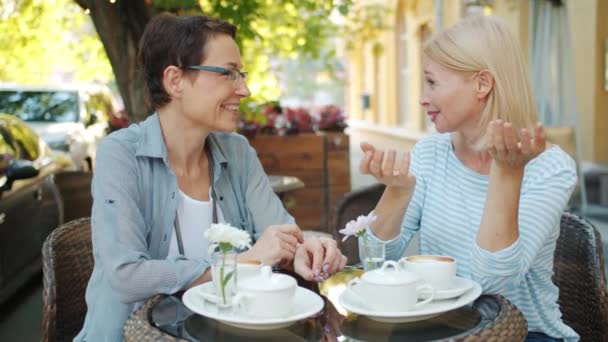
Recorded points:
(331, 118)
(300, 119)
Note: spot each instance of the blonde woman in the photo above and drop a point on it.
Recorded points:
(487, 189)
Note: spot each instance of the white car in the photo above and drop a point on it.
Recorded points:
(71, 118)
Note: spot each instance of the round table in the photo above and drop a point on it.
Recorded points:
(487, 317)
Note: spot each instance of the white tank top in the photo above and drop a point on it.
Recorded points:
(195, 217)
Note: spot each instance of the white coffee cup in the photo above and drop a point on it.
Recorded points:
(438, 271)
(268, 295)
(391, 289)
(248, 268)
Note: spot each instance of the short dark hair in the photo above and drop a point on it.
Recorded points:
(175, 40)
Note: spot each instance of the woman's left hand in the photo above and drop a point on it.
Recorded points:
(509, 153)
(316, 259)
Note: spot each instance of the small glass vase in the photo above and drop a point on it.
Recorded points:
(372, 253)
(224, 274)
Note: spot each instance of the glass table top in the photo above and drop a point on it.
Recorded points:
(333, 323)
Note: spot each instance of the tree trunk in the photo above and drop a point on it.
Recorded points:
(120, 26)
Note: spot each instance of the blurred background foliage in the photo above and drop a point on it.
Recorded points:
(273, 30)
(52, 41)
(42, 41)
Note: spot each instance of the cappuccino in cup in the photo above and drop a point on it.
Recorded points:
(436, 270)
(248, 268)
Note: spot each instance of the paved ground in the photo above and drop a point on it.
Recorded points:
(21, 317)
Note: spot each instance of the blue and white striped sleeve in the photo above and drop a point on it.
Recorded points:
(544, 197)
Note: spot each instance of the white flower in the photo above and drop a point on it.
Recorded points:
(227, 234)
(358, 227)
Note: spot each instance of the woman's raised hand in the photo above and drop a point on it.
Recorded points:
(386, 169)
(277, 245)
(509, 152)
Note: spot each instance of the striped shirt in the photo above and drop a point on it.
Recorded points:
(447, 207)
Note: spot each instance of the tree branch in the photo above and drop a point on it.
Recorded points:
(120, 25)
(83, 3)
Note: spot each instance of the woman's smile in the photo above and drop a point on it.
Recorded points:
(433, 115)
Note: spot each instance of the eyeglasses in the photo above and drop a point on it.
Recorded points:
(233, 74)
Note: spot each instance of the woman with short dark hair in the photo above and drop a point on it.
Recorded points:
(159, 184)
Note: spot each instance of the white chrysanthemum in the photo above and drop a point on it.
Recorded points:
(358, 227)
(221, 233)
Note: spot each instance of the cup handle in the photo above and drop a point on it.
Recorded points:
(239, 301)
(352, 283)
(209, 297)
(356, 294)
(390, 263)
(402, 264)
(425, 289)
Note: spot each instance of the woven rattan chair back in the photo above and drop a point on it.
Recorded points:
(75, 190)
(67, 264)
(138, 327)
(509, 325)
(579, 273)
(353, 204)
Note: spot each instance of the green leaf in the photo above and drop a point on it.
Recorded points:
(43, 39)
(227, 279)
(270, 30)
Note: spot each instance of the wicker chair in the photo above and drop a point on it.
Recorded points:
(579, 274)
(353, 204)
(138, 327)
(67, 264)
(75, 190)
(509, 325)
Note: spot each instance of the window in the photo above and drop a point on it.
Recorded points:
(425, 34)
(48, 106)
(552, 66)
(403, 77)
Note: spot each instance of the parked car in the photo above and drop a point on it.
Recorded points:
(71, 118)
(30, 201)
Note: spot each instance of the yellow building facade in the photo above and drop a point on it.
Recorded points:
(384, 84)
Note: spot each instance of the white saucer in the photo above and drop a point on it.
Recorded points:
(350, 302)
(208, 293)
(460, 286)
(306, 303)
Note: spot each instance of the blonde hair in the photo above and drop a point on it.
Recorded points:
(485, 43)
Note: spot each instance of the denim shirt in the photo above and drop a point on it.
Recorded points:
(132, 221)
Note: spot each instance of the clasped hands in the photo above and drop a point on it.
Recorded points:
(284, 245)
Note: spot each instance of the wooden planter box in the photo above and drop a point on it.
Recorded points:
(321, 161)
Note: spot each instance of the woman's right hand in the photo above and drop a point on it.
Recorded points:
(387, 170)
(277, 245)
